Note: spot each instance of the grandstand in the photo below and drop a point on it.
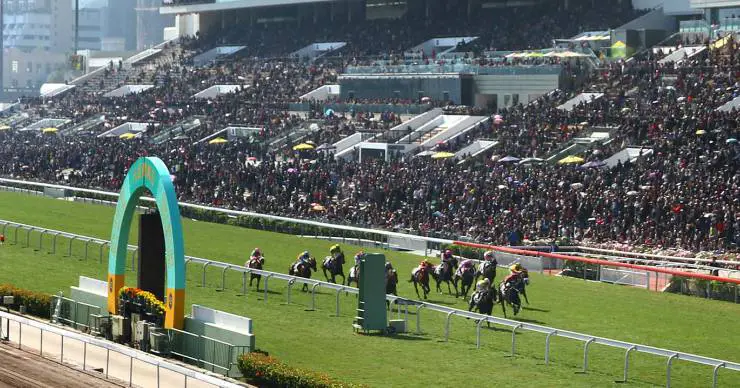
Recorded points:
(544, 123)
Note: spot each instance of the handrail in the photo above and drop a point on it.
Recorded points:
(130, 352)
(490, 319)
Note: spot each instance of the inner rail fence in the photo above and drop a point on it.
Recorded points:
(63, 346)
(449, 312)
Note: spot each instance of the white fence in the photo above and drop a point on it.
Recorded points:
(134, 367)
(449, 312)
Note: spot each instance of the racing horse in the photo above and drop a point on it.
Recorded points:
(465, 277)
(444, 273)
(510, 295)
(335, 265)
(255, 263)
(354, 275)
(420, 276)
(391, 283)
(302, 270)
(523, 283)
(484, 301)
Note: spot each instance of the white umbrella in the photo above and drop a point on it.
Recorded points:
(632, 193)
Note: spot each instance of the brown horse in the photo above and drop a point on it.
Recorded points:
(255, 263)
(420, 275)
(302, 270)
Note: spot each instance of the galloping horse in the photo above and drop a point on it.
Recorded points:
(391, 282)
(484, 302)
(354, 275)
(522, 285)
(335, 267)
(421, 276)
(444, 273)
(255, 263)
(510, 295)
(487, 269)
(303, 270)
(466, 280)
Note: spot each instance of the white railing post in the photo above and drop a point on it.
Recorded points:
(668, 370)
(715, 371)
(627, 361)
(313, 295)
(447, 325)
(338, 291)
(547, 346)
(205, 265)
(69, 251)
(513, 339)
(223, 277)
(418, 317)
(477, 333)
(585, 354)
(290, 287)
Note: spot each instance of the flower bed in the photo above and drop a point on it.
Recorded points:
(265, 371)
(135, 300)
(37, 303)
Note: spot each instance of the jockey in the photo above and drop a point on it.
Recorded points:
(358, 258)
(256, 255)
(336, 253)
(303, 258)
(465, 265)
(447, 256)
(516, 272)
(483, 285)
(488, 256)
(389, 266)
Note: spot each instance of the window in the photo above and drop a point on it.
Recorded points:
(14, 66)
(29, 67)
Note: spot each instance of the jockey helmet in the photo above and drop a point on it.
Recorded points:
(516, 268)
(488, 255)
(360, 255)
(335, 248)
(388, 265)
(447, 253)
(256, 252)
(305, 255)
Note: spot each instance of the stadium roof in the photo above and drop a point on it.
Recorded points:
(221, 5)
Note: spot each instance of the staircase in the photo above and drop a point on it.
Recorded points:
(434, 132)
(91, 124)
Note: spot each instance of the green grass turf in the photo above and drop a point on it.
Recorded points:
(321, 341)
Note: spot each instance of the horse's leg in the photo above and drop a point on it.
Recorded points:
(258, 282)
(417, 290)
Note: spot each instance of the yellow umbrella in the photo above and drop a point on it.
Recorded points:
(700, 131)
(535, 54)
(442, 155)
(4, 127)
(218, 140)
(303, 147)
(127, 136)
(49, 130)
(572, 159)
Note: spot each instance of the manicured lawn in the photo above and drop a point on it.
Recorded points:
(319, 340)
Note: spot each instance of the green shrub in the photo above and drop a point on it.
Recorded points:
(37, 303)
(266, 371)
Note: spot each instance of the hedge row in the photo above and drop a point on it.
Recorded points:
(37, 303)
(265, 371)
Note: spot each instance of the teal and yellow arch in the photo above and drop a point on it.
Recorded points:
(152, 174)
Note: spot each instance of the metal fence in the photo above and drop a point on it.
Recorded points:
(624, 276)
(129, 365)
(72, 313)
(205, 352)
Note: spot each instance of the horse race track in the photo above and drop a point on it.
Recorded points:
(318, 340)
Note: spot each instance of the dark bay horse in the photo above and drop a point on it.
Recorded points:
(510, 296)
(443, 273)
(391, 282)
(335, 265)
(303, 270)
(465, 277)
(522, 284)
(484, 301)
(420, 276)
(255, 263)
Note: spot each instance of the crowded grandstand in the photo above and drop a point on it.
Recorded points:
(653, 155)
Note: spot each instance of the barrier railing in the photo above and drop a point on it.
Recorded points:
(199, 349)
(75, 343)
(450, 312)
(72, 313)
